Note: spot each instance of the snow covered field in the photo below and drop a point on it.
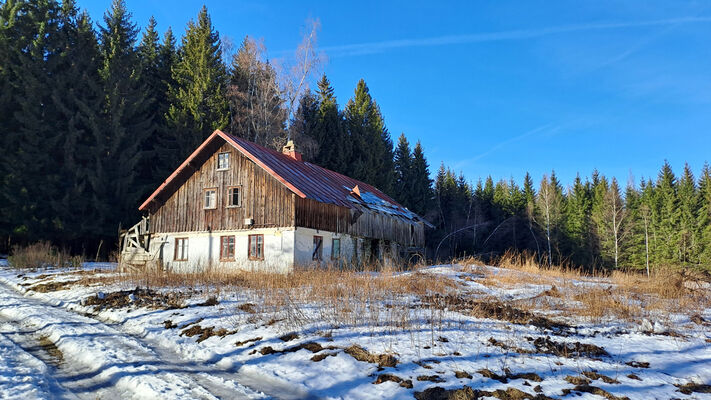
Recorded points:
(90, 334)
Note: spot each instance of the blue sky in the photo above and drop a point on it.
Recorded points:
(501, 87)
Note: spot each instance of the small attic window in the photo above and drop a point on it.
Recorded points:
(223, 161)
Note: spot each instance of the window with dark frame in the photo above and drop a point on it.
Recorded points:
(223, 161)
(210, 197)
(181, 249)
(234, 196)
(256, 247)
(227, 248)
(336, 248)
(317, 254)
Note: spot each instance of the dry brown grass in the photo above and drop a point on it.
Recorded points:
(332, 296)
(42, 255)
(387, 298)
(623, 295)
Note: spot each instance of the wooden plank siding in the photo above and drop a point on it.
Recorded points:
(316, 215)
(264, 199)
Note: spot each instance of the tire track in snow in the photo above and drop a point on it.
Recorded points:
(100, 361)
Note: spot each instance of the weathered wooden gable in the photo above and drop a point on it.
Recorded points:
(264, 199)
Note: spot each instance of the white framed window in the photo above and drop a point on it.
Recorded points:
(210, 197)
(256, 247)
(317, 254)
(223, 161)
(227, 248)
(335, 248)
(181, 249)
(234, 196)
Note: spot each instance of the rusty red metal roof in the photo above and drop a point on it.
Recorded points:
(305, 179)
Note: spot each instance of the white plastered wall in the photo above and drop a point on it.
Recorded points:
(204, 250)
(304, 246)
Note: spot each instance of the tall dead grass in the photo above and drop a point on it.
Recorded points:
(389, 298)
(601, 295)
(42, 255)
(328, 296)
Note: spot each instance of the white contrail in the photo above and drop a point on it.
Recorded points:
(376, 47)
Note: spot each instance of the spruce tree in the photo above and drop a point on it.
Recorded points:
(77, 94)
(31, 168)
(421, 184)
(334, 145)
(704, 216)
(665, 216)
(127, 114)
(198, 95)
(165, 138)
(601, 229)
(550, 206)
(529, 196)
(688, 233)
(403, 171)
(303, 126)
(634, 247)
(372, 152)
(577, 222)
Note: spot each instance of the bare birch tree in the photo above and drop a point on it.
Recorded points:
(296, 73)
(264, 94)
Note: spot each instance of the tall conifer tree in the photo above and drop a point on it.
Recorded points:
(421, 195)
(116, 177)
(198, 96)
(372, 153)
(334, 146)
(403, 171)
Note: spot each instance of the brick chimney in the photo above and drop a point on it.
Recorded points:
(290, 150)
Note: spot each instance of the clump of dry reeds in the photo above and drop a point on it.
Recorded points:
(42, 255)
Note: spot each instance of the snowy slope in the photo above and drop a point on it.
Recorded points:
(146, 352)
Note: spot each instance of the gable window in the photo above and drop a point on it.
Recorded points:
(227, 248)
(181, 249)
(223, 161)
(234, 196)
(256, 247)
(317, 253)
(336, 249)
(210, 201)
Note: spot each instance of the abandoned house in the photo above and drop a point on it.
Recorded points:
(235, 204)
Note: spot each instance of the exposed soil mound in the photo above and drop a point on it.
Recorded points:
(239, 344)
(138, 298)
(51, 286)
(637, 364)
(690, 388)
(205, 333)
(467, 393)
(568, 350)
(508, 375)
(211, 301)
(310, 346)
(289, 337)
(496, 310)
(361, 354)
(462, 375)
(430, 378)
(593, 390)
(596, 376)
(382, 378)
(439, 393)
